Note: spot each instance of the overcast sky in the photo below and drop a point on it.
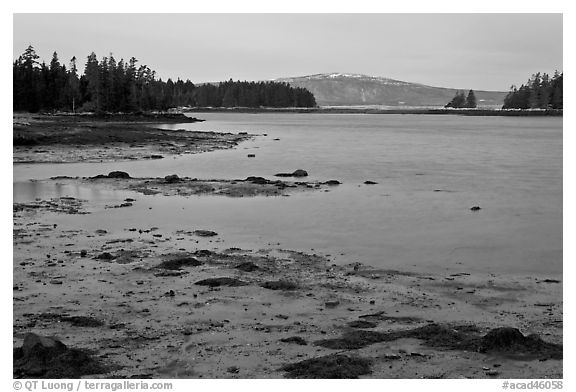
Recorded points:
(478, 51)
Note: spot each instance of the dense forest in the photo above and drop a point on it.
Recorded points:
(460, 100)
(540, 92)
(118, 86)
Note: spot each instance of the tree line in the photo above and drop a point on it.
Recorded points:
(118, 86)
(460, 100)
(540, 92)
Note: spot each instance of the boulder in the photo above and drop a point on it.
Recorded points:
(300, 173)
(205, 233)
(172, 179)
(47, 357)
(118, 174)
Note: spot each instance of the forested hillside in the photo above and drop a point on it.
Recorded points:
(118, 86)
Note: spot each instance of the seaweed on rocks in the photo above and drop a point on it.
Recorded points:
(216, 282)
(504, 341)
(177, 263)
(362, 324)
(329, 366)
(45, 357)
(76, 321)
(247, 266)
(295, 340)
(279, 285)
(512, 342)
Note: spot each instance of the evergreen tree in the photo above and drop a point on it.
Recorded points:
(112, 86)
(540, 92)
(471, 100)
(459, 101)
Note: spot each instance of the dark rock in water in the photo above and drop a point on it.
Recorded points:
(368, 182)
(332, 304)
(45, 357)
(257, 180)
(279, 285)
(118, 174)
(247, 266)
(172, 179)
(551, 281)
(216, 282)
(332, 182)
(105, 256)
(251, 155)
(242, 133)
(300, 173)
(83, 253)
(178, 263)
(296, 340)
(296, 173)
(329, 366)
(205, 233)
(156, 156)
(475, 208)
(362, 324)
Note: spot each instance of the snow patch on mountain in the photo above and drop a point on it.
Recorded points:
(340, 75)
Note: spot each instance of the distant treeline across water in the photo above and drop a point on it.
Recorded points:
(117, 86)
(540, 92)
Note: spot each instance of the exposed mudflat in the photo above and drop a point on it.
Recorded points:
(64, 139)
(174, 185)
(151, 303)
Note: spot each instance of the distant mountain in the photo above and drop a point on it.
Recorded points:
(340, 89)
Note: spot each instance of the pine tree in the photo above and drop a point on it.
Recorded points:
(114, 86)
(471, 100)
(459, 101)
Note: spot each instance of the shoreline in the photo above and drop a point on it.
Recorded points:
(186, 302)
(351, 110)
(67, 139)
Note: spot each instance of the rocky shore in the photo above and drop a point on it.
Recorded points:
(144, 302)
(65, 139)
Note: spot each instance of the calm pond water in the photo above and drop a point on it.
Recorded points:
(430, 170)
